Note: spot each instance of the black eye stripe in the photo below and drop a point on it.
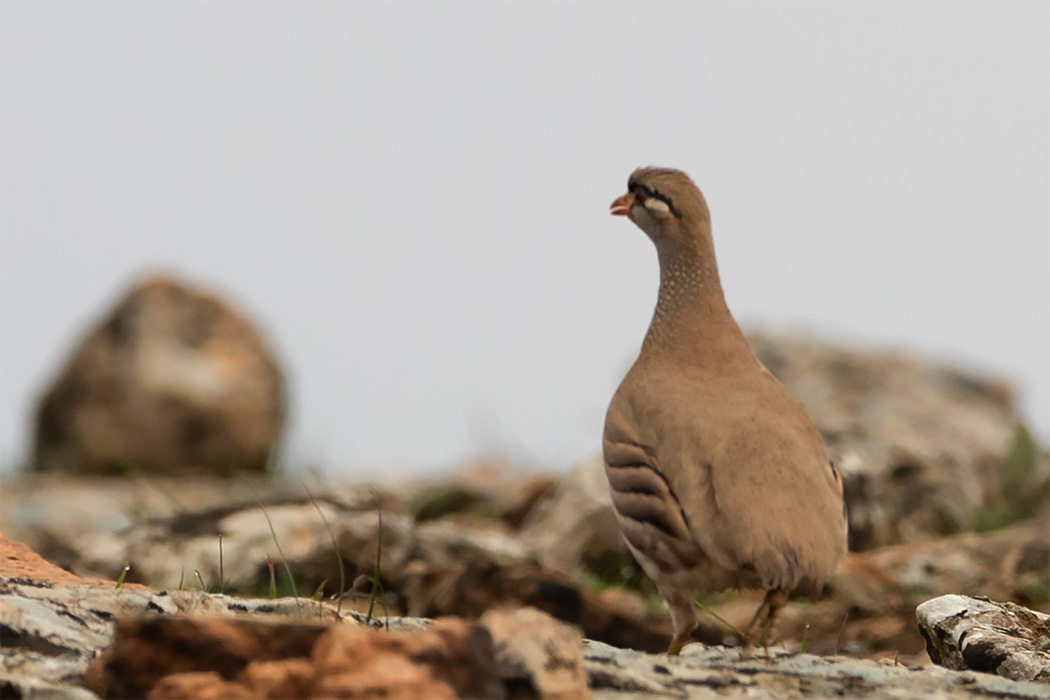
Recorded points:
(650, 192)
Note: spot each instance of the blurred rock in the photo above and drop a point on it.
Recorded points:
(537, 656)
(451, 658)
(171, 657)
(206, 685)
(446, 542)
(63, 517)
(1008, 564)
(923, 447)
(515, 653)
(869, 607)
(146, 650)
(479, 489)
(982, 635)
(472, 587)
(311, 537)
(436, 568)
(172, 380)
(53, 622)
(574, 528)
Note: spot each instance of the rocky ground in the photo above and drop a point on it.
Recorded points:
(500, 581)
(487, 541)
(72, 637)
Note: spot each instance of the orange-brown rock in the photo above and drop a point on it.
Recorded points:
(218, 657)
(173, 379)
(453, 658)
(20, 562)
(206, 685)
(288, 678)
(145, 651)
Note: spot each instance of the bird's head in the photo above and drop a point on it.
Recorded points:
(664, 203)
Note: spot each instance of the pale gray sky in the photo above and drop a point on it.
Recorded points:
(412, 198)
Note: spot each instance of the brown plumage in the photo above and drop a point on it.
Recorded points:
(719, 478)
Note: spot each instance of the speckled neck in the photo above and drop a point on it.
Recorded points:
(690, 303)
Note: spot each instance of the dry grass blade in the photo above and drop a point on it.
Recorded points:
(222, 577)
(379, 557)
(273, 534)
(335, 548)
(736, 630)
(273, 577)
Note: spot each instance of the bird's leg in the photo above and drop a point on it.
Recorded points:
(747, 640)
(683, 618)
(760, 631)
(749, 631)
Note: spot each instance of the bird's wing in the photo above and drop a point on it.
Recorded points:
(749, 485)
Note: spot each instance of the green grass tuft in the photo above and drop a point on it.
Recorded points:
(123, 573)
(319, 593)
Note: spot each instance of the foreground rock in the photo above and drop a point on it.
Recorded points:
(205, 657)
(171, 380)
(162, 644)
(52, 630)
(717, 672)
(982, 635)
(165, 648)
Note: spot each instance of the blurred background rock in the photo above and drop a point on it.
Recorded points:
(171, 380)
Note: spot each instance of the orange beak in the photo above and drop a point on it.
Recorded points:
(621, 207)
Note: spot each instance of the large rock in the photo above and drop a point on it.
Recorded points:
(924, 449)
(983, 635)
(172, 379)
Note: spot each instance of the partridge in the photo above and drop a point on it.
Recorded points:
(719, 478)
